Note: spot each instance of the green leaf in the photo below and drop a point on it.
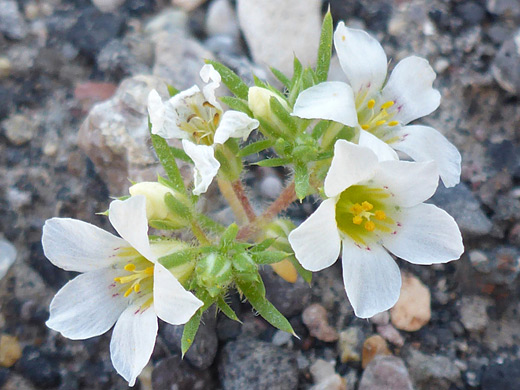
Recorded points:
(319, 129)
(207, 223)
(229, 235)
(301, 180)
(259, 83)
(164, 224)
(305, 274)
(262, 246)
(180, 154)
(281, 113)
(172, 90)
(267, 130)
(273, 162)
(237, 104)
(281, 77)
(297, 72)
(167, 159)
(269, 257)
(255, 294)
(255, 147)
(226, 309)
(231, 79)
(190, 330)
(325, 49)
(179, 258)
(177, 207)
(308, 78)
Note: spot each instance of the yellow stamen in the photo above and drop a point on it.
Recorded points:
(381, 122)
(357, 219)
(388, 104)
(365, 127)
(118, 280)
(128, 292)
(356, 208)
(393, 123)
(367, 206)
(343, 38)
(137, 287)
(149, 271)
(130, 267)
(380, 214)
(371, 103)
(370, 226)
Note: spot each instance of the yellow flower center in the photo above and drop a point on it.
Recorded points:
(203, 121)
(372, 119)
(361, 211)
(136, 279)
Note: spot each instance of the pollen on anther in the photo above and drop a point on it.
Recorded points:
(381, 122)
(128, 292)
(380, 214)
(371, 103)
(388, 104)
(367, 206)
(370, 226)
(137, 287)
(357, 220)
(130, 267)
(343, 38)
(393, 123)
(365, 127)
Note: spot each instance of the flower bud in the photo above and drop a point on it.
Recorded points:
(156, 207)
(181, 266)
(214, 273)
(259, 103)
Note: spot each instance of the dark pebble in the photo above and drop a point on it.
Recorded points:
(174, 373)
(504, 376)
(39, 369)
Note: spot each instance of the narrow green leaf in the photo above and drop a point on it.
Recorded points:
(301, 180)
(237, 104)
(231, 79)
(258, 82)
(319, 129)
(325, 49)
(269, 257)
(229, 234)
(273, 162)
(172, 90)
(167, 159)
(164, 224)
(189, 332)
(305, 274)
(180, 154)
(267, 130)
(226, 309)
(281, 77)
(262, 246)
(177, 207)
(255, 147)
(179, 258)
(297, 72)
(281, 113)
(207, 223)
(308, 78)
(255, 294)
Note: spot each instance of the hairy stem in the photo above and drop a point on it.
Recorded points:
(244, 200)
(199, 233)
(228, 192)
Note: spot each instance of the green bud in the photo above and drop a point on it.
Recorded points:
(244, 264)
(174, 255)
(259, 101)
(214, 273)
(157, 210)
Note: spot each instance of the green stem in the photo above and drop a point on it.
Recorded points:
(199, 233)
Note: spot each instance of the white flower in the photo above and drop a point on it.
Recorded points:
(120, 283)
(383, 110)
(196, 116)
(375, 207)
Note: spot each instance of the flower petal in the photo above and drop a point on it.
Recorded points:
(350, 165)
(166, 117)
(332, 100)
(362, 59)
(156, 111)
(172, 302)
(69, 244)
(234, 124)
(382, 150)
(133, 340)
(410, 182)
(128, 217)
(372, 278)
(410, 88)
(88, 305)
(426, 235)
(208, 73)
(316, 242)
(423, 143)
(206, 165)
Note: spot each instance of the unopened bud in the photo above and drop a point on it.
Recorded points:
(259, 103)
(214, 273)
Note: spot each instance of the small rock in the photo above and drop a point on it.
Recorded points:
(228, 329)
(505, 376)
(350, 344)
(10, 350)
(504, 7)
(117, 60)
(19, 129)
(188, 5)
(325, 377)
(373, 346)
(169, 20)
(252, 364)
(12, 23)
(389, 333)
(107, 5)
(386, 373)
(221, 19)
(270, 33)
(432, 372)
(472, 13)
(289, 298)
(315, 318)
(115, 135)
(506, 66)
(17, 382)
(412, 311)
(382, 318)
(38, 368)
(5, 67)
(462, 205)
(473, 312)
(175, 373)
(204, 348)
(270, 186)
(7, 256)
(281, 338)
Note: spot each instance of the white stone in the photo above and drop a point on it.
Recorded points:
(276, 30)
(221, 19)
(108, 5)
(7, 256)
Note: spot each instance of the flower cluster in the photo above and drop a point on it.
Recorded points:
(342, 143)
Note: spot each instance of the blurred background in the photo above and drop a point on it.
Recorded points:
(74, 78)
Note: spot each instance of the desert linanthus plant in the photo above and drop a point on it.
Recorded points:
(337, 139)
